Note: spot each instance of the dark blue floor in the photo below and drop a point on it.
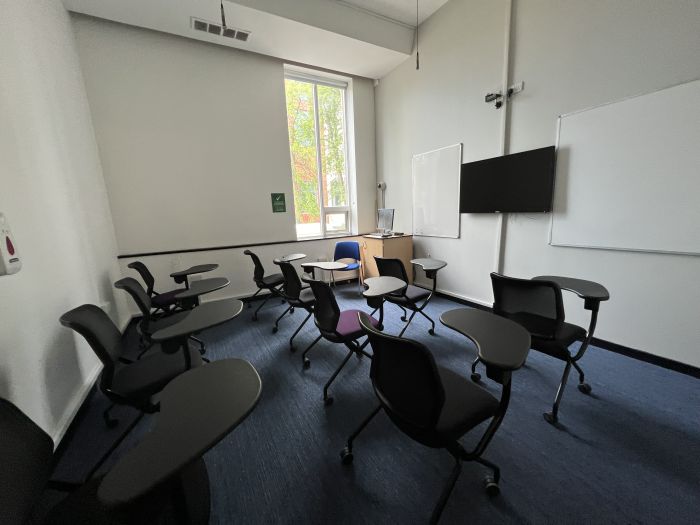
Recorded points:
(628, 453)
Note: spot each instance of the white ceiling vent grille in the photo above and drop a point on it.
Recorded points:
(215, 29)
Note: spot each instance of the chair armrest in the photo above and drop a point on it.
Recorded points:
(591, 292)
(204, 316)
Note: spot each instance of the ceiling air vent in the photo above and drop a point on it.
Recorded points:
(214, 29)
(229, 33)
(199, 25)
(242, 35)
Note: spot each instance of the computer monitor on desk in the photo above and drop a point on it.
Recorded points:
(385, 220)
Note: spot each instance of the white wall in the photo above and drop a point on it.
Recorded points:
(54, 197)
(574, 55)
(461, 51)
(571, 55)
(193, 139)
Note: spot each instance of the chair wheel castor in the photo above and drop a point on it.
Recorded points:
(491, 487)
(431, 331)
(328, 401)
(111, 423)
(307, 362)
(346, 456)
(585, 388)
(550, 418)
(476, 377)
(291, 310)
(274, 329)
(403, 318)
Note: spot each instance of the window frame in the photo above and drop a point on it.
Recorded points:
(315, 80)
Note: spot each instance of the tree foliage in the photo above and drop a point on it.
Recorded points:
(301, 120)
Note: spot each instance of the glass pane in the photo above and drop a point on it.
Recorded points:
(302, 144)
(336, 222)
(331, 119)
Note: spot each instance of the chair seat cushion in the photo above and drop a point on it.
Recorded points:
(270, 281)
(351, 266)
(349, 324)
(166, 299)
(466, 405)
(412, 294)
(140, 380)
(559, 347)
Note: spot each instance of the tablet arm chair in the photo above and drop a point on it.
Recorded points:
(433, 405)
(149, 323)
(272, 283)
(349, 250)
(336, 326)
(297, 296)
(124, 382)
(537, 305)
(162, 302)
(412, 298)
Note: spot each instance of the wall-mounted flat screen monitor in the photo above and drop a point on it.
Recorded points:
(385, 219)
(521, 182)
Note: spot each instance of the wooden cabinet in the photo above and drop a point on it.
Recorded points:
(400, 247)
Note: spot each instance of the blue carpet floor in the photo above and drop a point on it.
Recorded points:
(628, 453)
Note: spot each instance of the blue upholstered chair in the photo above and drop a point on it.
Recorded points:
(349, 250)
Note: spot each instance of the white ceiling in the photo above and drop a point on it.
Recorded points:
(322, 33)
(403, 11)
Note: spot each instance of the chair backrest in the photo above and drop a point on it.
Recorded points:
(102, 335)
(405, 378)
(292, 283)
(391, 268)
(26, 453)
(536, 305)
(326, 311)
(259, 271)
(347, 250)
(145, 274)
(137, 293)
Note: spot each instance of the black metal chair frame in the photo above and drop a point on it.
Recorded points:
(455, 448)
(413, 306)
(258, 275)
(331, 334)
(150, 281)
(592, 305)
(290, 292)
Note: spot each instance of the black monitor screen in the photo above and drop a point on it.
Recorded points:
(521, 182)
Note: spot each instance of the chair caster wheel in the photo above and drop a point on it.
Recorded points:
(491, 487)
(274, 329)
(585, 388)
(550, 418)
(307, 362)
(291, 310)
(111, 423)
(346, 456)
(431, 331)
(476, 377)
(403, 318)
(328, 401)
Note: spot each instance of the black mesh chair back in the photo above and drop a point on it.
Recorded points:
(391, 268)
(259, 271)
(145, 274)
(137, 293)
(26, 457)
(405, 378)
(326, 312)
(535, 304)
(292, 283)
(99, 331)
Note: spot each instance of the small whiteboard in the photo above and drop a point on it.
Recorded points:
(436, 177)
(628, 174)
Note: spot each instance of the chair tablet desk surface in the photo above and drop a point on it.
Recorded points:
(198, 409)
(183, 275)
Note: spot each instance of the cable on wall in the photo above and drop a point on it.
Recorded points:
(223, 15)
(416, 38)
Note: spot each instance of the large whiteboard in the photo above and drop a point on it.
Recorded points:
(628, 174)
(436, 177)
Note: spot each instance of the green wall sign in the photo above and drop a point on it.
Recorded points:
(278, 203)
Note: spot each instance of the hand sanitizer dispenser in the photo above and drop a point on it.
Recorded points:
(9, 257)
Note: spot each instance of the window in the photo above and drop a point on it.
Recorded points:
(318, 146)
